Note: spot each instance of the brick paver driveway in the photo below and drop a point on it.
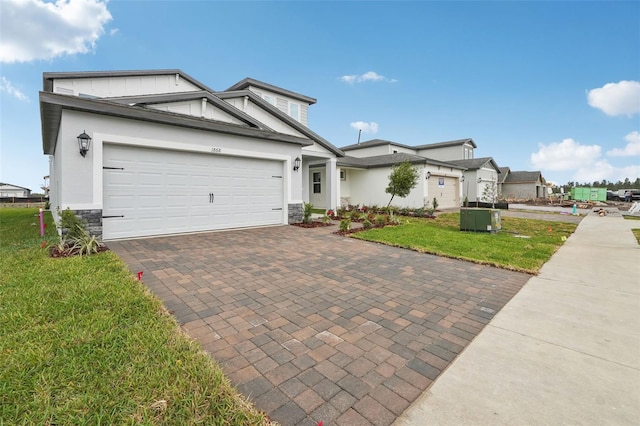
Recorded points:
(313, 326)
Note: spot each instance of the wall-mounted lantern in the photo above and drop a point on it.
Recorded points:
(428, 175)
(462, 178)
(84, 143)
(296, 164)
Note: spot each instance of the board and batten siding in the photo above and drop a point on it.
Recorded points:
(105, 87)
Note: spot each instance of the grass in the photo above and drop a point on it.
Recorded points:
(83, 342)
(442, 236)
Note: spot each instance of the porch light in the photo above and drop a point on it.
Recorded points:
(462, 178)
(479, 179)
(84, 142)
(296, 164)
(428, 175)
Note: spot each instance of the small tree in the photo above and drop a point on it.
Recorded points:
(403, 178)
(490, 193)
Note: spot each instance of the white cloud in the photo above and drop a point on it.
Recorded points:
(601, 170)
(631, 149)
(566, 155)
(7, 87)
(367, 76)
(371, 127)
(35, 29)
(622, 98)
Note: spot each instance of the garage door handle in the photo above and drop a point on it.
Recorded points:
(211, 197)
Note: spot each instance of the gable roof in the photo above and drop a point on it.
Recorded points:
(476, 163)
(48, 77)
(504, 172)
(447, 143)
(373, 142)
(272, 109)
(245, 83)
(14, 186)
(387, 160)
(189, 96)
(52, 104)
(523, 177)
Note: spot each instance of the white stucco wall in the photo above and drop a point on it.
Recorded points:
(77, 181)
(368, 187)
(105, 87)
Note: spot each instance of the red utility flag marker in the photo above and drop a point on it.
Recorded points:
(140, 275)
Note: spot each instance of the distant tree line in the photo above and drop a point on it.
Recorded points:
(614, 186)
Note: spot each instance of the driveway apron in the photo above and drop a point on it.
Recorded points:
(315, 327)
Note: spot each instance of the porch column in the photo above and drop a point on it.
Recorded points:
(332, 183)
(304, 169)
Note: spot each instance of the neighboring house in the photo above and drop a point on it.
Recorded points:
(365, 170)
(481, 178)
(8, 190)
(169, 155)
(522, 185)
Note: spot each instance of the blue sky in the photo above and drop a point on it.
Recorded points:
(550, 86)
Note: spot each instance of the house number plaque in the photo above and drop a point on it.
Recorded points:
(216, 150)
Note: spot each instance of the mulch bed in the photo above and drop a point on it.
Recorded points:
(313, 224)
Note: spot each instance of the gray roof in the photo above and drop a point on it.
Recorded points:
(504, 171)
(387, 160)
(523, 177)
(52, 104)
(379, 142)
(476, 163)
(48, 77)
(373, 142)
(15, 186)
(245, 83)
(189, 96)
(447, 143)
(282, 116)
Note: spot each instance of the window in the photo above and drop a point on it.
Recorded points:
(269, 99)
(294, 111)
(317, 186)
(343, 175)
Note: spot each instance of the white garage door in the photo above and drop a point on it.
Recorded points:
(156, 192)
(445, 189)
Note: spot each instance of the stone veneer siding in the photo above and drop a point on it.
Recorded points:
(92, 220)
(295, 213)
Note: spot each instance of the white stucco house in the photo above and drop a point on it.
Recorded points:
(448, 172)
(9, 190)
(156, 152)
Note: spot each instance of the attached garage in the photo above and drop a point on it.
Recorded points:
(151, 191)
(445, 189)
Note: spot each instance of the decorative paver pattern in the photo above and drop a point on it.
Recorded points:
(316, 327)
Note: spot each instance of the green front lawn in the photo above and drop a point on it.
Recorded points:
(508, 249)
(83, 342)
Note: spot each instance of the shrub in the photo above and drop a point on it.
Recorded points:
(345, 225)
(434, 204)
(326, 219)
(355, 215)
(71, 225)
(380, 220)
(367, 224)
(306, 213)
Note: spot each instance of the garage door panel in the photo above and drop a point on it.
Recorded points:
(162, 191)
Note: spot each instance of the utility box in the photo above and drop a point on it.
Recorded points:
(480, 220)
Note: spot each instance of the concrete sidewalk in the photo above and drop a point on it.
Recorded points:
(564, 350)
